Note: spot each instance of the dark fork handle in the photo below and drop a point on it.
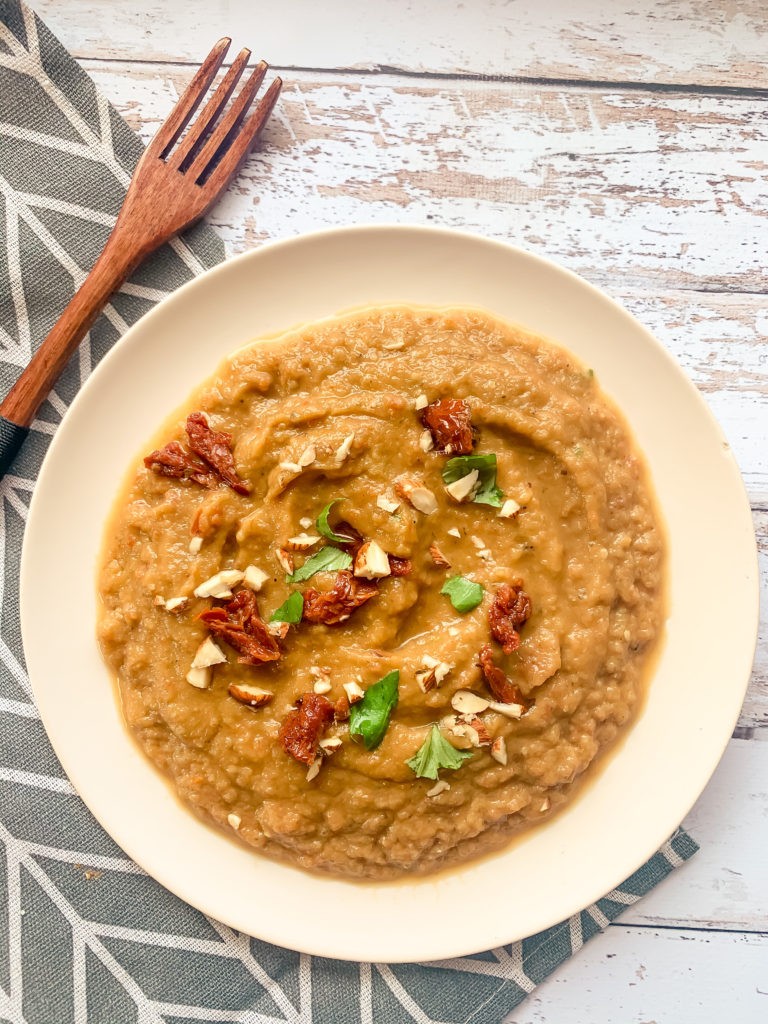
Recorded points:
(11, 439)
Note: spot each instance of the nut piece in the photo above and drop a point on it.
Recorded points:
(208, 653)
(454, 532)
(438, 557)
(344, 449)
(302, 541)
(200, 677)
(464, 488)
(479, 544)
(425, 441)
(195, 544)
(291, 467)
(372, 562)
(441, 668)
(234, 820)
(322, 679)
(285, 559)
(307, 457)
(330, 744)
(468, 703)
(305, 522)
(220, 585)
(386, 504)
(416, 494)
(426, 679)
(322, 686)
(544, 805)
(253, 696)
(278, 629)
(499, 750)
(510, 710)
(254, 578)
(509, 509)
(439, 787)
(354, 692)
(314, 769)
(421, 402)
(174, 603)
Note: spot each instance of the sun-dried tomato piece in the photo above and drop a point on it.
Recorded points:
(400, 566)
(303, 728)
(239, 624)
(449, 420)
(177, 462)
(499, 683)
(337, 604)
(511, 608)
(215, 448)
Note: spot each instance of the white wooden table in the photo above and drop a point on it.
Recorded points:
(630, 147)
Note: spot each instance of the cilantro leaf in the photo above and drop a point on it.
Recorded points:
(436, 753)
(326, 559)
(487, 493)
(464, 594)
(322, 524)
(369, 718)
(290, 610)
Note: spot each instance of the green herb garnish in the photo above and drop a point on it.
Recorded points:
(436, 753)
(487, 492)
(322, 524)
(325, 560)
(290, 610)
(369, 718)
(464, 594)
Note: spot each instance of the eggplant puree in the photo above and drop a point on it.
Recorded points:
(585, 544)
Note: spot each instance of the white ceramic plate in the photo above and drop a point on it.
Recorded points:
(646, 788)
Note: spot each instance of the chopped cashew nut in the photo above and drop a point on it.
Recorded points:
(510, 710)
(174, 603)
(438, 557)
(344, 449)
(477, 542)
(439, 787)
(464, 487)
(195, 544)
(305, 522)
(508, 509)
(307, 457)
(254, 578)
(468, 703)
(372, 562)
(234, 820)
(303, 541)
(421, 402)
(425, 441)
(200, 677)
(354, 692)
(499, 750)
(454, 532)
(253, 696)
(386, 504)
(314, 769)
(285, 560)
(416, 494)
(208, 653)
(426, 679)
(291, 467)
(545, 805)
(322, 686)
(330, 745)
(220, 585)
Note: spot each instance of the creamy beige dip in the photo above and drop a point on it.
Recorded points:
(339, 401)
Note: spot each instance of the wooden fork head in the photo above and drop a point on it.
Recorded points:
(176, 182)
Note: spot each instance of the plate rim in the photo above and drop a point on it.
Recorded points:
(179, 296)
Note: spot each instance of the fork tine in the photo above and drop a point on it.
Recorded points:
(191, 143)
(179, 117)
(230, 122)
(241, 146)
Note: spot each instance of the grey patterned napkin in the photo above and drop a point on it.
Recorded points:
(86, 935)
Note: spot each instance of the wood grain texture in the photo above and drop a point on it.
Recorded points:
(690, 42)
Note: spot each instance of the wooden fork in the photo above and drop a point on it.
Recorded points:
(172, 188)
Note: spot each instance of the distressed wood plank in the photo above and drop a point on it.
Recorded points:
(622, 187)
(649, 976)
(725, 885)
(658, 41)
